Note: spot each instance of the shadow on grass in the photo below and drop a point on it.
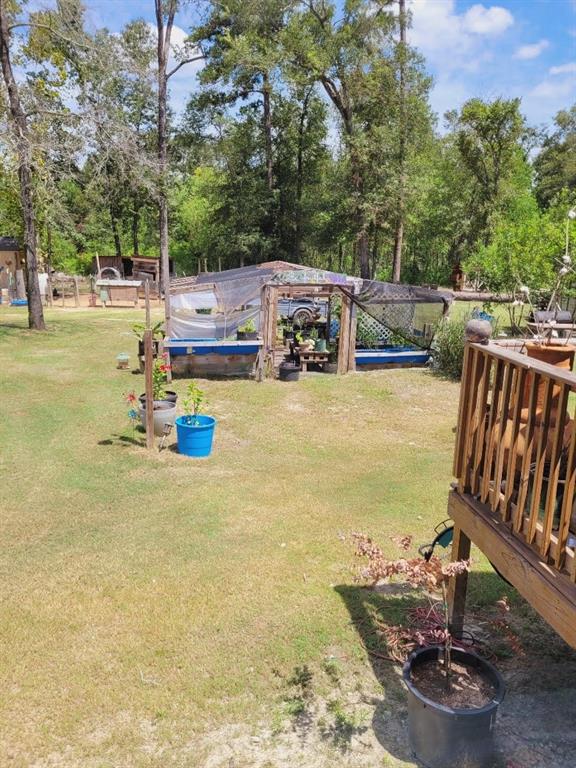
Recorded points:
(538, 665)
(366, 608)
(123, 440)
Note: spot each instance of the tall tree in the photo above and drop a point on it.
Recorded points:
(399, 234)
(165, 14)
(20, 131)
(488, 137)
(342, 50)
(555, 166)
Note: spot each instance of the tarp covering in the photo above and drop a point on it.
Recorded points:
(409, 311)
(234, 297)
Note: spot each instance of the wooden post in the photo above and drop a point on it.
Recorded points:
(148, 366)
(352, 340)
(219, 263)
(199, 266)
(76, 292)
(344, 340)
(49, 297)
(147, 303)
(264, 312)
(205, 264)
(458, 584)
(62, 290)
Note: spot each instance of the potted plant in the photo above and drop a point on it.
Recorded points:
(164, 409)
(247, 331)
(319, 341)
(194, 431)
(159, 378)
(157, 336)
(453, 694)
(304, 345)
(331, 366)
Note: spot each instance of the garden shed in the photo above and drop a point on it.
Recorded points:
(396, 322)
(11, 260)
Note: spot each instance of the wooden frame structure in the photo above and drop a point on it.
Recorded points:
(515, 464)
(270, 296)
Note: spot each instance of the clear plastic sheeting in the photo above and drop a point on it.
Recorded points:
(193, 300)
(186, 324)
(236, 294)
(409, 311)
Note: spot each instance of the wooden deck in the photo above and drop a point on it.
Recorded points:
(515, 464)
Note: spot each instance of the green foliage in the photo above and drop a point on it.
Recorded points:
(193, 401)
(248, 327)
(555, 165)
(448, 346)
(524, 250)
(159, 377)
(157, 330)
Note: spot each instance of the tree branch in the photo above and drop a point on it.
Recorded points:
(182, 63)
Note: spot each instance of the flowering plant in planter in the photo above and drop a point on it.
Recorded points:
(159, 377)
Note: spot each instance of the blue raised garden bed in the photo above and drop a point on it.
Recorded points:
(211, 347)
(392, 356)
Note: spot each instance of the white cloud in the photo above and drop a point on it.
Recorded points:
(531, 51)
(553, 89)
(563, 69)
(454, 40)
(487, 21)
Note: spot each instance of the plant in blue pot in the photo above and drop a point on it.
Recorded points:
(194, 431)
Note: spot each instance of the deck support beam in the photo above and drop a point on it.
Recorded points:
(549, 592)
(458, 584)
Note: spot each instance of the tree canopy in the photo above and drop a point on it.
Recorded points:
(308, 136)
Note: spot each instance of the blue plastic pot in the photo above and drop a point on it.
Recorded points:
(195, 439)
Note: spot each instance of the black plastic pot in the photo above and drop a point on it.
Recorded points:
(288, 372)
(170, 397)
(442, 737)
(155, 347)
(246, 335)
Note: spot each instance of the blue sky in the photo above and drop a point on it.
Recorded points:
(505, 48)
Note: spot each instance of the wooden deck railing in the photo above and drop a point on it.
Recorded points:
(516, 448)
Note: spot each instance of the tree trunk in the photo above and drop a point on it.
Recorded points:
(20, 131)
(363, 247)
(268, 130)
(374, 253)
(163, 48)
(299, 178)
(363, 253)
(135, 228)
(398, 243)
(399, 235)
(115, 233)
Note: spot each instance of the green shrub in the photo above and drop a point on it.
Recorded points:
(448, 347)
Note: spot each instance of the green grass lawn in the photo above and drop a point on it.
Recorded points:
(149, 599)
